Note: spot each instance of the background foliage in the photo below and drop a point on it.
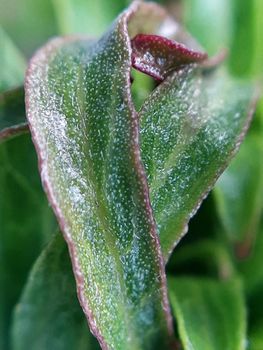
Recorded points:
(219, 261)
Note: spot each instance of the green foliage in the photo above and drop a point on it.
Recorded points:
(12, 63)
(22, 238)
(187, 144)
(86, 17)
(120, 180)
(210, 314)
(51, 293)
(239, 192)
(93, 176)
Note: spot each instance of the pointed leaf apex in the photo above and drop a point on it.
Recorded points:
(158, 56)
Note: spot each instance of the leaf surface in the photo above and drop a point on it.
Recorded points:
(191, 126)
(48, 315)
(85, 130)
(210, 315)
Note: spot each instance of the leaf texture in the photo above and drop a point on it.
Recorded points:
(85, 130)
(86, 133)
(191, 126)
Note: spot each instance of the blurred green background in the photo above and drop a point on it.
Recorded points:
(237, 25)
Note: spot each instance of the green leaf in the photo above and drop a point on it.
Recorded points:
(48, 315)
(86, 16)
(12, 63)
(12, 113)
(191, 126)
(26, 222)
(239, 194)
(85, 130)
(210, 315)
(255, 340)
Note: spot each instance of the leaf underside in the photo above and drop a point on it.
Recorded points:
(158, 57)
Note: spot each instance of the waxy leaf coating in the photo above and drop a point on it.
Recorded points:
(86, 132)
(191, 127)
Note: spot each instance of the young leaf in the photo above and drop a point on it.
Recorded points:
(85, 130)
(158, 57)
(26, 222)
(210, 315)
(48, 315)
(12, 113)
(191, 126)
